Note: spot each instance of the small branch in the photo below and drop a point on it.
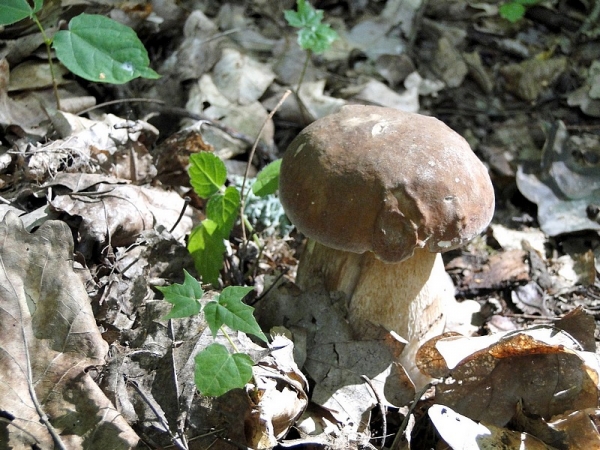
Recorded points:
(181, 444)
(251, 156)
(400, 433)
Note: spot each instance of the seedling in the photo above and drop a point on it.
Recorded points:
(217, 370)
(206, 242)
(515, 10)
(94, 47)
(313, 35)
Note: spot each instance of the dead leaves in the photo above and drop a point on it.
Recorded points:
(532, 379)
(48, 341)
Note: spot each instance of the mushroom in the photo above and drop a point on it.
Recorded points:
(380, 193)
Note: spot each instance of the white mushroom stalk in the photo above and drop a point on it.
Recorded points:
(381, 193)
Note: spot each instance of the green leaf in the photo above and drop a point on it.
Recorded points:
(313, 35)
(317, 39)
(207, 247)
(228, 309)
(207, 173)
(11, 11)
(99, 49)
(224, 209)
(218, 371)
(267, 180)
(184, 297)
(513, 12)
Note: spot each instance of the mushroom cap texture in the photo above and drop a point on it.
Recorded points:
(370, 178)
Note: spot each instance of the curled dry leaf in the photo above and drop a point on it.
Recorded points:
(279, 395)
(461, 433)
(48, 338)
(116, 213)
(486, 377)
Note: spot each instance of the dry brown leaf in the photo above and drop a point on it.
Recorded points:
(461, 433)
(48, 340)
(240, 78)
(279, 395)
(117, 213)
(544, 368)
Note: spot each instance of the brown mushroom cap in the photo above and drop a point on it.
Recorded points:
(377, 179)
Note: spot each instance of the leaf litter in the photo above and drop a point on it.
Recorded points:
(119, 185)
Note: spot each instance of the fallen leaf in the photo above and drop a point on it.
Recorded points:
(49, 338)
(486, 377)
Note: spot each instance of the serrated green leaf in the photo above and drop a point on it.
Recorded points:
(513, 12)
(184, 297)
(207, 173)
(217, 371)
(304, 16)
(100, 49)
(293, 18)
(224, 209)
(11, 11)
(228, 309)
(207, 248)
(317, 39)
(267, 180)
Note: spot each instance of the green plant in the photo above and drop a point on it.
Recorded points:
(217, 371)
(515, 10)
(94, 47)
(206, 242)
(313, 35)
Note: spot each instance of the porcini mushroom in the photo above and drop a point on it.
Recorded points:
(380, 193)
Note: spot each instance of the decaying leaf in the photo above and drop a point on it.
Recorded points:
(240, 78)
(529, 78)
(279, 396)
(351, 375)
(462, 433)
(116, 213)
(48, 341)
(565, 182)
(486, 377)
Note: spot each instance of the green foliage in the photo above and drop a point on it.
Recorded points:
(206, 246)
(223, 208)
(94, 47)
(515, 10)
(312, 34)
(217, 371)
(267, 181)
(184, 297)
(229, 310)
(99, 49)
(208, 175)
(12, 11)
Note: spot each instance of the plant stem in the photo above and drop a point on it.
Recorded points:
(303, 109)
(48, 43)
(304, 67)
(229, 339)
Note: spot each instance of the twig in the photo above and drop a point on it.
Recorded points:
(186, 202)
(400, 433)
(382, 408)
(159, 415)
(251, 156)
(43, 417)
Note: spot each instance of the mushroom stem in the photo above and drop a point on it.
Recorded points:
(409, 297)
